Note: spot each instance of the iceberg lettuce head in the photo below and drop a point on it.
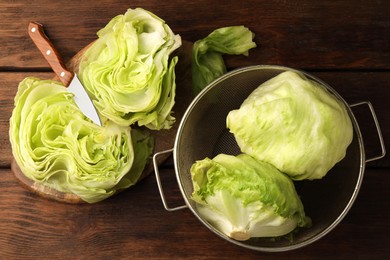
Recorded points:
(244, 198)
(294, 124)
(54, 144)
(128, 70)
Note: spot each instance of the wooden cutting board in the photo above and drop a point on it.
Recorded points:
(164, 139)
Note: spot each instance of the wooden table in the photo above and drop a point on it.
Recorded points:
(345, 43)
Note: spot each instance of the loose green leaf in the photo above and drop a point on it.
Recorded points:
(207, 53)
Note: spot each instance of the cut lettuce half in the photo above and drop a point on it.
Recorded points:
(129, 72)
(54, 144)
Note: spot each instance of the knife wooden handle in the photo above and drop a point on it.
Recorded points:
(48, 50)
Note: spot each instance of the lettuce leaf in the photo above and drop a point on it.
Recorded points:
(207, 59)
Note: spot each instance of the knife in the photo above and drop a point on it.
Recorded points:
(68, 78)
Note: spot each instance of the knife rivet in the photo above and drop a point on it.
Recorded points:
(48, 52)
(33, 29)
(62, 74)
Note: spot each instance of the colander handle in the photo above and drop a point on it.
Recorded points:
(156, 171)
(378, 129)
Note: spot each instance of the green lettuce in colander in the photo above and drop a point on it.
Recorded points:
(243, 197)
(56, 145)
(294, 124)
(129, 72)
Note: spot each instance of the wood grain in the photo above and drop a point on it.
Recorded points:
(292, 33)
(345, 43)
(135, 225)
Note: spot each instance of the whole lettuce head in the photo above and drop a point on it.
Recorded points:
(128, 70)
(54, 144)
(294, 124)
(244, 198)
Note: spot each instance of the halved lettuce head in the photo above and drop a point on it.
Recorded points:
(128, 70)
(244, 198)
(294, 124)
(54, 144)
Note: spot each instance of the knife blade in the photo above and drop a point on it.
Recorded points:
(68, 78)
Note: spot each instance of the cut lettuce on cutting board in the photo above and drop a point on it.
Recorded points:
(158, 117)
(54, 144)
(129, 71)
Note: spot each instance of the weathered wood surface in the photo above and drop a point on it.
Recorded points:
(336, 34)
(134, 225)
(345, 43)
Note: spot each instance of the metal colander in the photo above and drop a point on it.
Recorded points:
(203, 133)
